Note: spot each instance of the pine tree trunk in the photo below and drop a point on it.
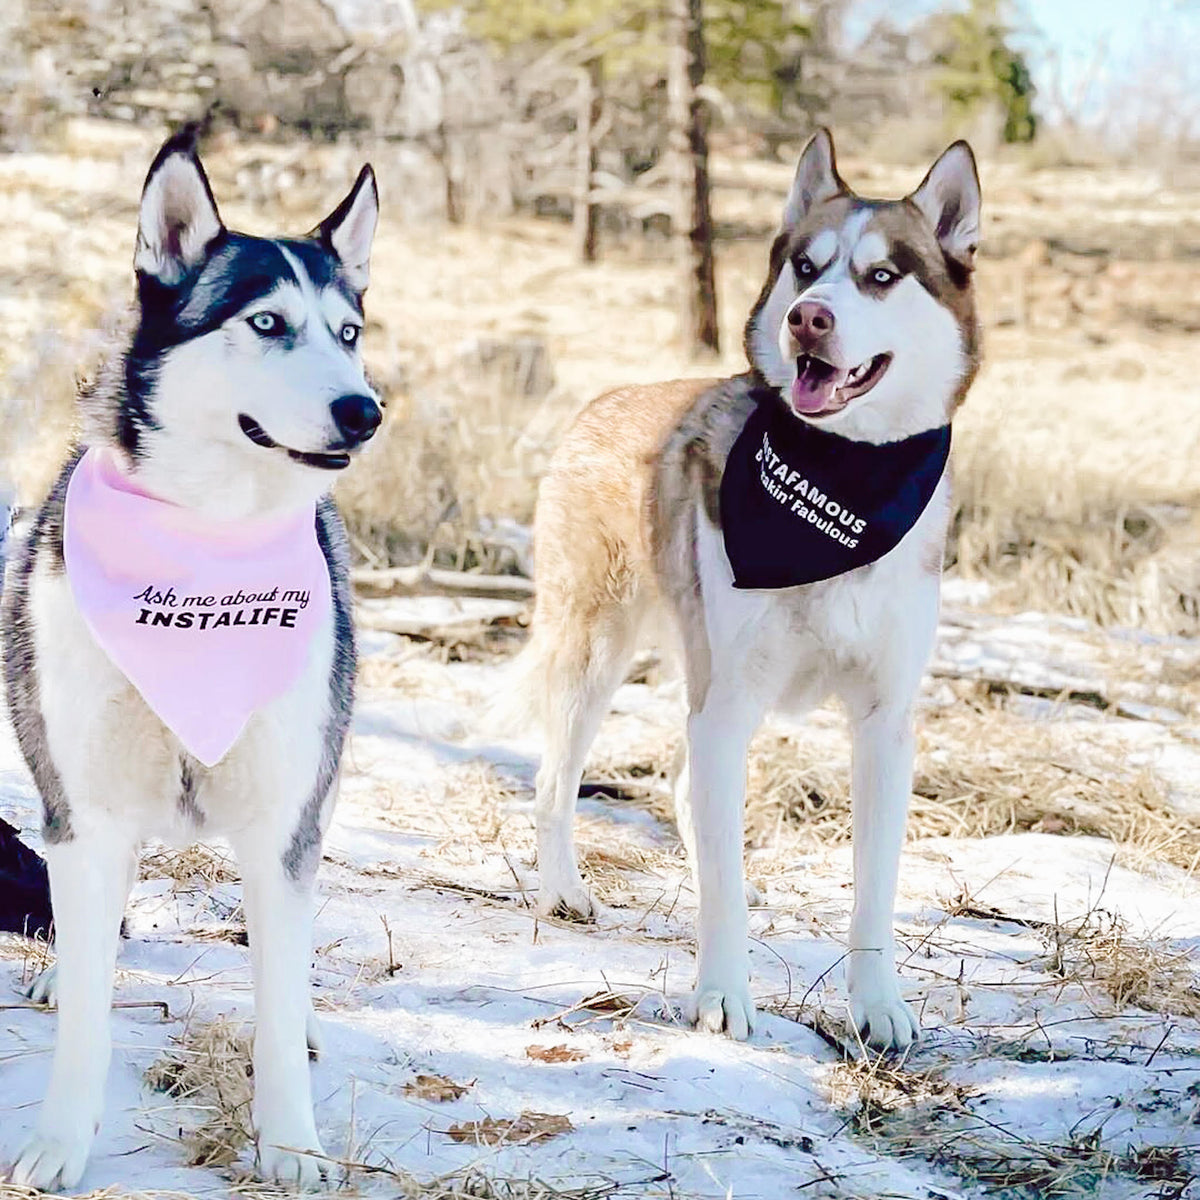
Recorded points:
(586, 212)
(692, 226)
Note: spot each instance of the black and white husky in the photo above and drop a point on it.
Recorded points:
(238, 398)
(793, 519)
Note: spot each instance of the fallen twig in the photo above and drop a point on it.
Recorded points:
(422, 580)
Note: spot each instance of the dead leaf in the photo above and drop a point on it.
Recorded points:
(436, 1088)
(528, 1127)
(609, 1002)
(1051, 823)
(623, 1047)
(555, 1054)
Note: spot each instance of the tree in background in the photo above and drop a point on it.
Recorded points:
(753, 47)
(979, 66)
(672, 41)
(692, 226)
(751, 44)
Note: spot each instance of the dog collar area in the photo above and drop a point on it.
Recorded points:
(800, 504)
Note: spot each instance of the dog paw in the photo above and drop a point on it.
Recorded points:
(50, 1162)
(728, 1010)
(882, 1017)
(571, 902)
(44, 988)
(291, 1162)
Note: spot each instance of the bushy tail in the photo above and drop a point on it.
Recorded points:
(518, 707)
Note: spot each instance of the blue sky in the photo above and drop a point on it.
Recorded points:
(1121, 38)
(1107, 44)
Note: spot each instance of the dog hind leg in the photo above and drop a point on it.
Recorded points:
(89, 883)
(580, 681)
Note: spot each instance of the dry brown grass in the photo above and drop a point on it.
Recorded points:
(474, 1183)
(209, 1075)
(1065, 528)
(462, 447)
(477, 1183)
(1005, 1164)
(1115, 563)
(872, 1091)
(1097, 952)
(1014, 780)
(15, 1191)
(193, 868)
(34, 955)
(607, 868)
(897, 1110)
(466, 804)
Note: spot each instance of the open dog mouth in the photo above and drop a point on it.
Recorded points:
(822, 389)
(327, 461)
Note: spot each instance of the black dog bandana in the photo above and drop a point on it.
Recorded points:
(800, 504)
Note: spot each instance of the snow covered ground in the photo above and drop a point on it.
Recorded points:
(1055, 976)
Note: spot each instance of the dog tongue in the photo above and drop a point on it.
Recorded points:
(816, 383)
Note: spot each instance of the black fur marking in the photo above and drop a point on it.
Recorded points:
(948, 219)
(20, 657)
(323, 267)
(189, 785)
(304, 850)
(134, 415)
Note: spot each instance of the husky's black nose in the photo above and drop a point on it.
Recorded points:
(356, 418)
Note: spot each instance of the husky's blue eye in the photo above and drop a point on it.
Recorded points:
(268, 324)
(804, 268)
(883, 277)
(349, 334)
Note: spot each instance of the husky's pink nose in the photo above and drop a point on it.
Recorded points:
(810, 320)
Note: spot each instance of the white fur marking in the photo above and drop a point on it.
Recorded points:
(822, 248)
(871, 249)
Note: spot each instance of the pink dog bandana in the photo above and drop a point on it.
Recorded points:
(209, 620)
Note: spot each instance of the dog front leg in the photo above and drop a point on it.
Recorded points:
(279, 921)
(682, 792)
(89, 884)
(881, 784)
(718, 740)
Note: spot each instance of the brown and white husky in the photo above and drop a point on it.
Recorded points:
(865, 329)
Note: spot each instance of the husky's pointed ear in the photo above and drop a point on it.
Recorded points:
(178, 220)
(816, 179)
(949, 199)
(349, 230)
